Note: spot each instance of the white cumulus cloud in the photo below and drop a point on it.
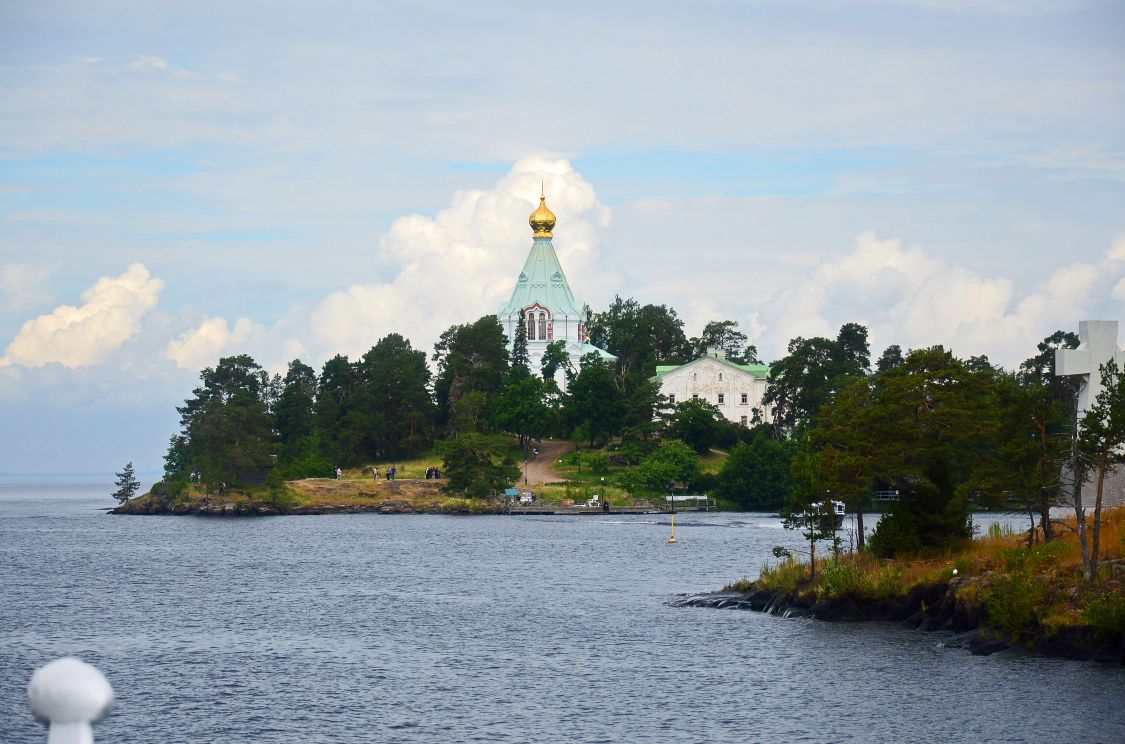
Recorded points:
(72, 336)
(906, 296)
(202, 346)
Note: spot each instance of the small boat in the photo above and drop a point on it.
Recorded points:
(835, 512)
(838, 512)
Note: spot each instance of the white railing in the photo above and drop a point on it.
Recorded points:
(69, 695)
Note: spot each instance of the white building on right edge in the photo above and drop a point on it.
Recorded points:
(737, 389)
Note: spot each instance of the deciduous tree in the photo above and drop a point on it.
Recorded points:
(756, 476)
(696, 422)
(475, 464)
(594, 400)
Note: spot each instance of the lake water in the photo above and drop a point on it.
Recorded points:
(360, 628)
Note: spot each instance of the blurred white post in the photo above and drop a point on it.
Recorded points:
(68, 695)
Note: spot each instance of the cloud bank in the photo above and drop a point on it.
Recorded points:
(72, 336)
(906, 296)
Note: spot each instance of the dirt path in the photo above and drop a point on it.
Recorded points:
(541, 469)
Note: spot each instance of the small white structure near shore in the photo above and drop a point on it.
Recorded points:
(1097, 345)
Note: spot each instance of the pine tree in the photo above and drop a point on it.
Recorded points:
(1100, 437)
(520, 356)
(127, 484)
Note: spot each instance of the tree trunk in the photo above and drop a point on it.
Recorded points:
(859, 523)
(1045, 518)
(1080, 516)
(1102, 466)
(1079, 474)
(812, 560)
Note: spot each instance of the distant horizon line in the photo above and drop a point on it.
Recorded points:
(72, 474)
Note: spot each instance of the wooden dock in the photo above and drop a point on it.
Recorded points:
(555, 509)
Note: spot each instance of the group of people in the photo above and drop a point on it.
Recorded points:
(391, 472)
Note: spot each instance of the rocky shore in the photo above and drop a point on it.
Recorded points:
(208, 508)
(314, 496)
(929, 608)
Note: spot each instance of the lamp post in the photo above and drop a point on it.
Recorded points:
(672, 499)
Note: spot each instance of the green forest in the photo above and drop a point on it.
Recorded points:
(947, 434)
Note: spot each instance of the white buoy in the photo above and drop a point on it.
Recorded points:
(69, 695)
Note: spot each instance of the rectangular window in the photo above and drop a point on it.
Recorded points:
(745, 399)
(720, 377)
(743, 422)
(722, 398)
(694, 396)
(672, 398)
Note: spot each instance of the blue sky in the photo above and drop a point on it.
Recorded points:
(179, 183)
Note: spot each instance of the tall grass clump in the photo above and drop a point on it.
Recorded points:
(784, 576)
(841, 577)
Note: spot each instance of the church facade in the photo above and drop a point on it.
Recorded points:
(542, 298)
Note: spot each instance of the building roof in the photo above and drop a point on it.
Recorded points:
(761, 371)
(542, 279)
(583, 349)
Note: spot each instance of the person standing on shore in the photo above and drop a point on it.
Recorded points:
(375, 472)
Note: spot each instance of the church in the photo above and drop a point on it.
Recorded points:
(542, 296)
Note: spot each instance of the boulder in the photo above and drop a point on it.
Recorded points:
(985, 644)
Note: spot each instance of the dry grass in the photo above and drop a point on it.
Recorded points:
(712, 462)
(360, 491)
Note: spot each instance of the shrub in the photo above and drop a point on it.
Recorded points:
(894, 535)
(597, 464)
(785, 576)
(845, 578)
(1010, 600)
(282, 499)
(633, 451)
(170, 487)
(674, 461)
(1107, 613)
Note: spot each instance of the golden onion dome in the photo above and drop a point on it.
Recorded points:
(542, 220)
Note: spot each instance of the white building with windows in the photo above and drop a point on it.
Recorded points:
(542, 295)
(737, 389)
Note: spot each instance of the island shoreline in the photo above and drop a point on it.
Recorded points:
(926, 607)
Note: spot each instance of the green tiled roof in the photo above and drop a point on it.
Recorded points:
(585, 348)
(761, 371)
(542, 281)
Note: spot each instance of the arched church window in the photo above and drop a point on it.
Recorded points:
(531, 326)
(543, 326)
